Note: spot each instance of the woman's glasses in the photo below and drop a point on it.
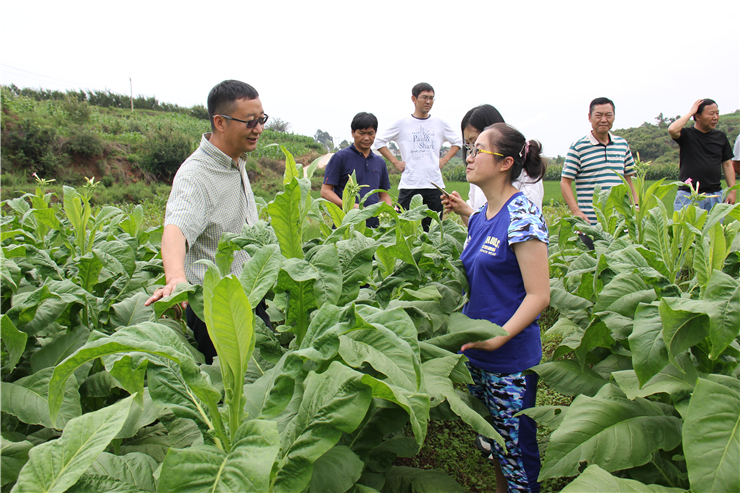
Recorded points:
(475, 150)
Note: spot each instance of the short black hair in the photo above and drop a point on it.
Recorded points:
(703, 105)
(421, 87)
(363, 120)
(223, 96)
(599, 101)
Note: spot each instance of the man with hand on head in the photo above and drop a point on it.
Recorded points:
(369, 168)
(420, 137)
(211, 195)
(705, 155)
(593, 159)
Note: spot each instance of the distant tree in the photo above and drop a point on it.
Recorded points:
(278, 125)
(344, 144)
(325, 139)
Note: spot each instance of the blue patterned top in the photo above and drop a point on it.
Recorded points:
(495, 279)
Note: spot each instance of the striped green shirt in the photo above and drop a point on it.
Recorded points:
(211, 195)
(591, 163)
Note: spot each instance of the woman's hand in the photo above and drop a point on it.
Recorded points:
(487, 345)
(453, 202)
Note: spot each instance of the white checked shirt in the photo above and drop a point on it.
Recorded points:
(211, 195)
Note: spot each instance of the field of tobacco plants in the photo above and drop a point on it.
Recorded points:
(103, 394)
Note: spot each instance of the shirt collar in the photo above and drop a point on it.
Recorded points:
(217, 154)
(595, 141)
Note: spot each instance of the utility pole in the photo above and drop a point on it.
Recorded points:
(131, 84)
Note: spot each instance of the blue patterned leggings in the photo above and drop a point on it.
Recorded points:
(505, 394)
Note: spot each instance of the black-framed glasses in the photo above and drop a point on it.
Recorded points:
(475, 150)
(249, 123)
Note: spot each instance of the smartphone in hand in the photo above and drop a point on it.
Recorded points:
(440, 189)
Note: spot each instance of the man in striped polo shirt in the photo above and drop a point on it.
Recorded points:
(211, 195)
(593, 159)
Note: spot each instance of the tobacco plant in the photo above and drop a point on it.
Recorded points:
(648, 332)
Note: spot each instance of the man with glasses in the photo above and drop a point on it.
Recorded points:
(593, 159)
(211, 195)
(420, 137)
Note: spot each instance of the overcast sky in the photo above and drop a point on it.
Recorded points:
(317, 63)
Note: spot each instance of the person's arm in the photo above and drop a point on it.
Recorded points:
(730, 179)
(385, 197)
(327, 192)
(453, 150)
(532, 258)
(628, 179)
(566, 188)
(674, 130)
(386, 153)
(173, 259)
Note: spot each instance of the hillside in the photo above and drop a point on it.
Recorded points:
(63, 137)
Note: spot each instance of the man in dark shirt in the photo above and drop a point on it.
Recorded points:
(369, 168)
(705, 154)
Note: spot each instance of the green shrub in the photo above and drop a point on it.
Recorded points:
(166, 149)
(553, 171)
(454, 172)
(29, 146)
(77, 111)
(85, 143)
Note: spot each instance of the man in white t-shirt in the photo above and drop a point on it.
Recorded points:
(420, 137)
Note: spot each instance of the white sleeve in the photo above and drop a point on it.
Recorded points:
(389, 134)
(535, 192)
(452, 136)
(736, 157)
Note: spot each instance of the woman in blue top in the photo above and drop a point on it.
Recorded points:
(505, 259)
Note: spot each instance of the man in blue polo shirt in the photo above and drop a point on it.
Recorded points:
(593, 159)
(369, 168)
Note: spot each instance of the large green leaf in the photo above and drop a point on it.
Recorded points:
(168, 389)
(685, 324)
(335, 471)
(286, 219)
(670, 380)
(148, 338)
(623, 294)
(117, 257)
(14, 341)
(246, 468)
(334, 402)
(355, 259)
(27, 399)
(611, 431)
(722, 303)
(710, 251)
(55, 466)
(567, 377)
(260, 273)
(230, 322)
(440, 388)
(649, 352)
(136, 469)
(462, 329)
(64, 344)
(132, 311)
(411, 480)
(711, 436)
(596, 480)
(328, 286)
(14, 456)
